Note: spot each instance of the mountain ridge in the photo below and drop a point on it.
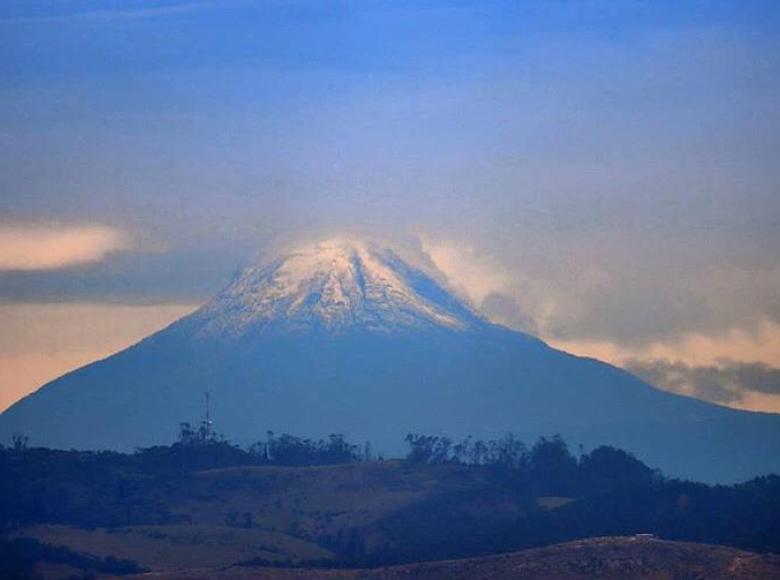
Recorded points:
(614, 557)
(303, 345)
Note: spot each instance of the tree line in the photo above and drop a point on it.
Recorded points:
(548, 466)
(553, 495)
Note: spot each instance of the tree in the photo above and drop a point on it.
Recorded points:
(507, 452)
(420, 448)
(231, 519)
(553, 466)
(608, 469)
(19, 441)
(248, 520)
(186, 434)
(478, 452)
(461, 451)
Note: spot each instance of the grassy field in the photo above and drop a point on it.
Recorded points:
(313, 503)
(279, 514)
(175, 547)
(390, 512)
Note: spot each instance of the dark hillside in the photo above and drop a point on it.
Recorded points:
(167, 507)
(604, 558)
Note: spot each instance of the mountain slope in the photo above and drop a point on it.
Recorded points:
(345, 337)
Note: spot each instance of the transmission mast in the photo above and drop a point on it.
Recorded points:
(207, 423)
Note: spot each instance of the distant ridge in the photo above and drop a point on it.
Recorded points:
(344, 336)
(603, 558)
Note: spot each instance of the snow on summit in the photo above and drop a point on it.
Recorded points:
(335, 285)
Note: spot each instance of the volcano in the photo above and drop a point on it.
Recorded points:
(346, 337)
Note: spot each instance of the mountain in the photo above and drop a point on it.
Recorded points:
(336, 287)
(344, 336)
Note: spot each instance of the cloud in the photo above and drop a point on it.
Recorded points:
(614, 188)
(104, 15)
(468, 271)
(726, 382)
(478, 277)
(505, 310)
(36, 247)
(759, 345)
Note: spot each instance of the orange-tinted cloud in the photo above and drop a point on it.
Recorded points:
(39, 247)
(732, 369)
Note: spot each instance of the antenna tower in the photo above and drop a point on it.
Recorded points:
(207, 423)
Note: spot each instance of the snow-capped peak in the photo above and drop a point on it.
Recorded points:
(334, 285)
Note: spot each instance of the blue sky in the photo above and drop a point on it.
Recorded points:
(605, 170)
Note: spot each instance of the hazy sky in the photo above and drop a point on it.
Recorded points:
(605, 174)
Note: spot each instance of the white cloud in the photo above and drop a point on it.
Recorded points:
(474, 275)
(39, 247)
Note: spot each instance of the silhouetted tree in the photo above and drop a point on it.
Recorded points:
(289, 450)
(553, 466)
(231, 519)
(19, 441)
(186, 434)
(247, 519)
(478, 452)
(420, 448)
(607, 469)
(507, 452)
